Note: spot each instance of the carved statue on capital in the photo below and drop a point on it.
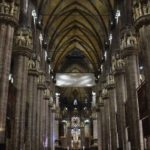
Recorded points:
(94, 115)
(47, 94)
(53, 107)
(50, 102)
(114, 63)
(100, 100)
(128, 40)
(123, 42)
(14, 9)
(117, 63)
(105, 93)
(38, 62)
(4, 7)
(131, 40)
(23, 38)
(110, 79)
(31, 64)
(9, 8)
(41, 78)
(141, 9)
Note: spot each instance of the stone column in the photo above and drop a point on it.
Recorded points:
(87, 130)
(22, 51)
(101, 138)
(32, 105)
(141, 15)
(118, 70)
(103, 125)
(40, 112)
(69, 137)
(9, 13)
(95, 127)
(99, 121)
(50, 122)
(55, 126)
(46, 98)
(130, 53)
(49, 128)
(107, 136)
(112, 105)
(82, 137)
(52, 118)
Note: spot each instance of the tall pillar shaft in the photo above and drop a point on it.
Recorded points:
(99, 125)
(106, 119)
(145, 38)
(20, 81)
(34, 111)
(130, 52)
(7, 22)
(47, 126)
(141, 16)
(118, 70)
(38, 130)
(46, 118)
(22, 51)
(6, 52)
(103, 127)
(142, 25)
(32, 105)
(112, 107)
(41, 110)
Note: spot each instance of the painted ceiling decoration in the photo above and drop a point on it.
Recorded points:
(76, 24)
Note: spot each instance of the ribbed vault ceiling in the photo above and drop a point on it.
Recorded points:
(76, 24)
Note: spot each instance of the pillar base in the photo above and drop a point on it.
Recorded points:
(120, 148)
(2, 146)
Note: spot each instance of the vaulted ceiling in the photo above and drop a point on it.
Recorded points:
(76, 32)
(76, 25)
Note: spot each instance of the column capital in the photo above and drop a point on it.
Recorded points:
(100, 102)
(94, 115)
(32, 67)
(50, 102)
(110, 81)
(23, 42)
(118, 64)
(47, 94)
(101, 105)
(53, 108)
(128, 41)
(105, 94)
(41, 80)
(141, 13)
(9, 12)
(57, 114)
